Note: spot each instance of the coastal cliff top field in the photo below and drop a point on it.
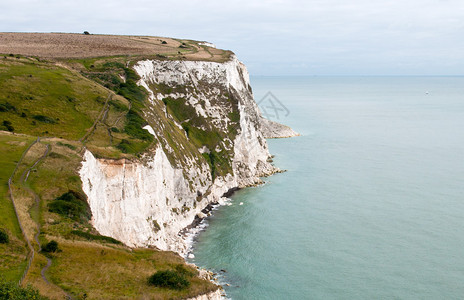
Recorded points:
(59, 95)
(79, 45)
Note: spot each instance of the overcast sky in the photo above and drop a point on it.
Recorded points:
(276, 37)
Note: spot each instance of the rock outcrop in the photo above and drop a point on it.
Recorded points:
(216, 295)
(274, 130)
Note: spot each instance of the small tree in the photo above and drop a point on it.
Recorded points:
(4, 238)
(52, 246)
(86, 33)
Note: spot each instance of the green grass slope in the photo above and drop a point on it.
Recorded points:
(71, 108)
(12, 254)
(44, 100)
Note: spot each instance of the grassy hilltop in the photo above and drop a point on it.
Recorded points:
(75, 91)
(68, 45)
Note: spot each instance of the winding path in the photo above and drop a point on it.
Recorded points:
(97, 120)
(10, 180)
(23, 180)
(108, 127)
(37, 202)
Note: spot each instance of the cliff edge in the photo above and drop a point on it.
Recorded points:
(209, 140)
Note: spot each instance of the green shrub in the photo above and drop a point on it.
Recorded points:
(51, 246)
(72, 205)
(132, 146)
(44, 119)
(4, 107)
(4, 238)
(127, 146)
(113, 65)
(10, 290)
(169, 279)
(56, 155)
(217, 162)
(110, 81)
(8, 126)
(130, 89)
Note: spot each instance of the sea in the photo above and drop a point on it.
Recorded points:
(371, 205)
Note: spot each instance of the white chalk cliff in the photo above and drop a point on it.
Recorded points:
(149, 201)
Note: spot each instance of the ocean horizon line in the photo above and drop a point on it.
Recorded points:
(348, 76)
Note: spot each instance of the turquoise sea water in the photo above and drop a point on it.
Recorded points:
(372, 205)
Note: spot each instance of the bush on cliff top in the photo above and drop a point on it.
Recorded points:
(169, 279)
(50, 247)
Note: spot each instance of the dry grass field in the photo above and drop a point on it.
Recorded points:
(74, 45)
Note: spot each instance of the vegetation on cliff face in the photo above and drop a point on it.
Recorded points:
(201, 131)
(72, 105)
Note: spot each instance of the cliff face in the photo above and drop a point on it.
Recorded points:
(208, 140)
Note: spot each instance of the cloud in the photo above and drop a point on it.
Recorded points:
(274, 36)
